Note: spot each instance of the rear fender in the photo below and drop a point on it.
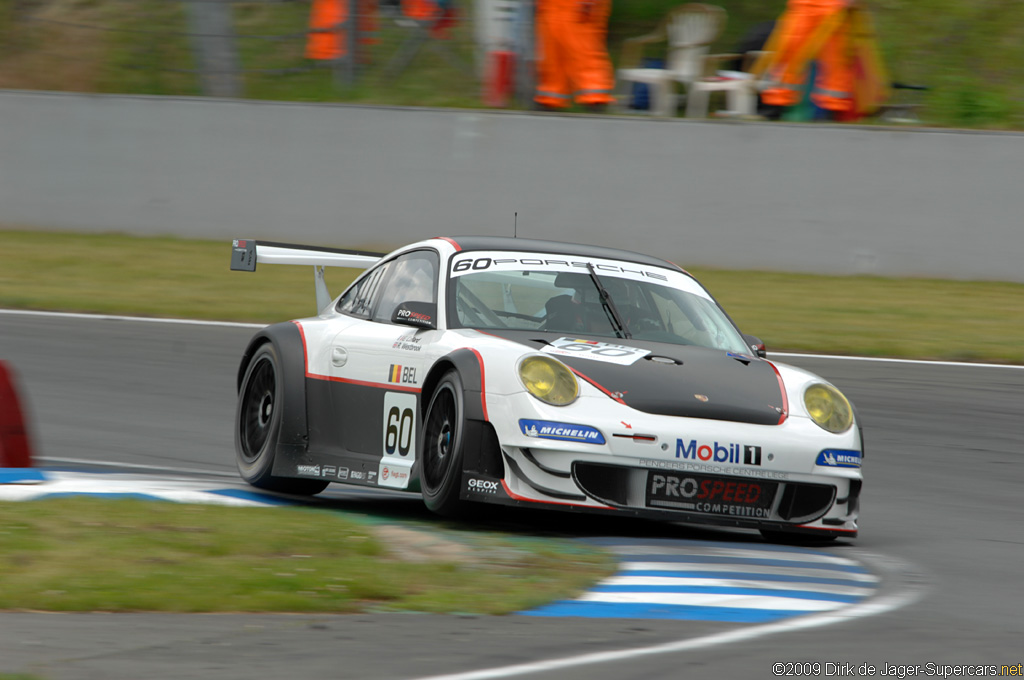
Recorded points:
(291, 349)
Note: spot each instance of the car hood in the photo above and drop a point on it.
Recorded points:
(675, 380)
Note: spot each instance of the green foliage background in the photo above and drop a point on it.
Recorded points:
(970, 53)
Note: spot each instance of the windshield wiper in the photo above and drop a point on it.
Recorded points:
(609, 305)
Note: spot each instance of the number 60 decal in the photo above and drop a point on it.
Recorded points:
(400, 426)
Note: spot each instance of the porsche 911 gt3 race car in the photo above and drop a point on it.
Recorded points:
(528, 372)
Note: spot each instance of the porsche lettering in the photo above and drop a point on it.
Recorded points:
(476, 264)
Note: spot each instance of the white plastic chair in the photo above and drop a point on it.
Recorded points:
(688, 31)
(740, 88)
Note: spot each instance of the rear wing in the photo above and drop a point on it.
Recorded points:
(247, 253)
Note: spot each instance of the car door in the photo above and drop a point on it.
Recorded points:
(376, 371)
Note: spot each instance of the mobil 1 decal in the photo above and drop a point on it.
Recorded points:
(399, 440)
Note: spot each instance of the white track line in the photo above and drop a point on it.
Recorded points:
(232, 324)
(115, 317)
(911, 588)
(668, 567)
(135, 466)
(662, 550)
(887, 360)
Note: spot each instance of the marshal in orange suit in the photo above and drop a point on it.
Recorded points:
(572, 56)
(834, 81)
(328, 37)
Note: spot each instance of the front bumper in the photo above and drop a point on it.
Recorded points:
(677, 469)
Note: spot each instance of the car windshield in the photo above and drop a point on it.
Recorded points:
(548, 293)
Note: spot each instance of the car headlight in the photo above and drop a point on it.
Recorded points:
(828, 408)
(548, 380)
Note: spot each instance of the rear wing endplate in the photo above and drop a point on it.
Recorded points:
(247, 253)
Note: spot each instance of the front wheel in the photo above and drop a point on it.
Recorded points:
(442, 444)
(258, 426)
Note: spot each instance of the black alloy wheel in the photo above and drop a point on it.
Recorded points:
(258, 425)
(442, 445)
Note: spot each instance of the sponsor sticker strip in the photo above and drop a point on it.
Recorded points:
(567, 432)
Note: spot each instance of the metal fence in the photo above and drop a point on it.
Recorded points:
(405, 51)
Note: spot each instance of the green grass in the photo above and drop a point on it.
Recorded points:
(171, 277)
(85, 554)
(969, 52)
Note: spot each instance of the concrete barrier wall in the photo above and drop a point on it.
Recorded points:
(817, 198)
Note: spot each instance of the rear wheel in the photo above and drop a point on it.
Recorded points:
(444, 430)
(258, 426)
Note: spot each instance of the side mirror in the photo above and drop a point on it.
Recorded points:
(416, 314)
(755, 344)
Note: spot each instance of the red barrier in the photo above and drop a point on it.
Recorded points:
(499, 80)
(15, 448)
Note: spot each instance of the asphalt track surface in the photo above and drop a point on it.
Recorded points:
(942, 523)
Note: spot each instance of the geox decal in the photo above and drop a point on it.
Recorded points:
(838, 458)
(595, 351)
(482, 485)
(732, 453)
(566, 432)
(402, 374)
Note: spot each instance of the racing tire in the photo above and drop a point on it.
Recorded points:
(258, 425)
(442, 444)
(791, 538)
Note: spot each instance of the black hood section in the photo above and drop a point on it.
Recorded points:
(678, 380)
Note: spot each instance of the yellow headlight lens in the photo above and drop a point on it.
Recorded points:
(828, 408)
(548, 380)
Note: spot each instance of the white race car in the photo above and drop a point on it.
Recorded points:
(527, 372)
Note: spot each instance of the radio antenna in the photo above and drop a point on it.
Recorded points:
(515, 225)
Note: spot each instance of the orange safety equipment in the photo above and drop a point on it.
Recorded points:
(328, 34)
(572, 56)
(441, 14)
(834, 81)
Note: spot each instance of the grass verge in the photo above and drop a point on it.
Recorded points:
(171, 277)
(86, 554)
